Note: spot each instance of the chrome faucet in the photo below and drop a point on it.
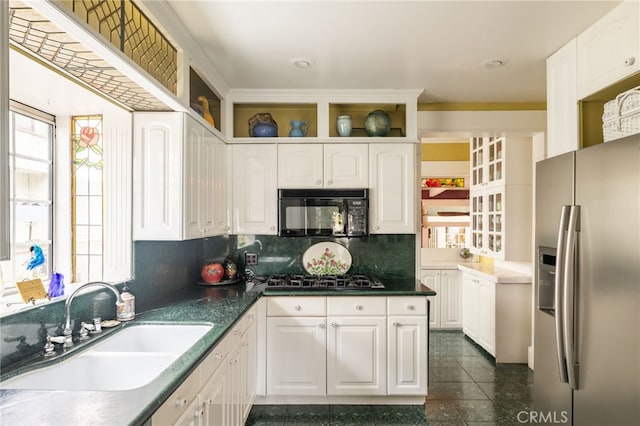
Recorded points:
(68, 341)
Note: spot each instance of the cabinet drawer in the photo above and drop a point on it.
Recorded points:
(178, 402)
(356, 306)
(407, 305)
(295, 306)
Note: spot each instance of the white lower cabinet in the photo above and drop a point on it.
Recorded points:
(221, 390)
(497, 316)
(446, 305)
(346, 346)
(297, 355)
(407, 346)
(356, 355)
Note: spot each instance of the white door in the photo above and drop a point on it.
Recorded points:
(300, 166)
(431, 278)
(346, 166)
(486, 333)
(219, 188)
(356, 356)
(216, 397)
(193, 179)
(407, 346)
(255, 191)
(451, 300)
(392, 183)
(470, 305)
(296, 355)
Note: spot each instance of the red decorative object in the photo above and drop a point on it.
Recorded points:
(212, 272)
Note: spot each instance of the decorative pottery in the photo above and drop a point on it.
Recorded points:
(262, 125)
(326, 258)
(298, 128)
(344, 125)
(377, 123)
(230, 267)
(205, 111)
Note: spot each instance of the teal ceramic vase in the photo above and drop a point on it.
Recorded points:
(377, 123)
(298, 128)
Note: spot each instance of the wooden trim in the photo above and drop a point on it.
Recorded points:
(479, 106)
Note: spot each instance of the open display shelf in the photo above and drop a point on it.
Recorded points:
(197, 88)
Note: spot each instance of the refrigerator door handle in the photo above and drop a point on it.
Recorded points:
(569, 287)
(559, 292)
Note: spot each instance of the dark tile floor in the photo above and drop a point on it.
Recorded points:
(466, 387)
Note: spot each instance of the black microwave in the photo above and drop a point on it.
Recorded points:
(323, 212)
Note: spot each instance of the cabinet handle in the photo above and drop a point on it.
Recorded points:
(198, 413)
(410, 307)
(396, 324)
(318, 182)
(376, 227)
(330, 182)
(297, 307)
(321, 325)
(358, 307)
(629, 61)
(181, 402)
(218, 356)
(272, 228)
(333, 324)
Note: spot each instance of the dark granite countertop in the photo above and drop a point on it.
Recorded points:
(222, 306)
(393, 287)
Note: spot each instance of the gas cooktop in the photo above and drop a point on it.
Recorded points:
(322, 282)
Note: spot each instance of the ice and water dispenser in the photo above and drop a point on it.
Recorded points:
(546, 279)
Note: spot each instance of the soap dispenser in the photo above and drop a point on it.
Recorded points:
(127, 309)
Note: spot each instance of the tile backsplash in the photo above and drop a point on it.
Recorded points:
(164, 270)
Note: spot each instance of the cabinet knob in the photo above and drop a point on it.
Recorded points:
(199, 413)
(297, 307)
(330, 182)
(272, 228)
(396, 324)
(321, 325)
(181, 402)
(358, 307)
(376, 227)
(318, 182)
(629, 61)
(333, 324)
(410, 307)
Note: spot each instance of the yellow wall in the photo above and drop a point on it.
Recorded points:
(457, 151)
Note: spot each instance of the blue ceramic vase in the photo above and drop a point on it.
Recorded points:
(264, 130)
(299, 128)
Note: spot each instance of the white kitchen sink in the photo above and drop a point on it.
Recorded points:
(130, 358)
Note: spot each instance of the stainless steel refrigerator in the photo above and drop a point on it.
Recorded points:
(587, 321)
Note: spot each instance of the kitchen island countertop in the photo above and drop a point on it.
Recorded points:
(222, 306)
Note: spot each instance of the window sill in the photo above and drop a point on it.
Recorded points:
(13, 303)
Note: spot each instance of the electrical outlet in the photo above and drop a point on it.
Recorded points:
(250, 259)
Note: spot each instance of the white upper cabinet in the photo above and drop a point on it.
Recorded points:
(392, 185)
(323, 166)
(179, 185)
(255, 189)
(562, 101)
(609, 50)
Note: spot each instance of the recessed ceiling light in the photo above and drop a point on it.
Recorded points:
(494, 63)
(301, 62)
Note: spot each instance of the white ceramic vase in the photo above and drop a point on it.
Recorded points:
(344, 125)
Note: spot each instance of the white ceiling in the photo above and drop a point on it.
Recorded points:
(438, 46)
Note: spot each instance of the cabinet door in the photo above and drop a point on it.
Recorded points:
(451, 300)
(346, 166)
(192, 416)
(486, 302)
(431, 278)
(609, 50)
(296, 355)
(248, 365)
(255, 192)
(157, 176)
(392, 183)
(407, 346)
(194, 174)
(300, 166)
(216, 398)
(470, 305)
(356, 356)
(218, 187)
(562, 101)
